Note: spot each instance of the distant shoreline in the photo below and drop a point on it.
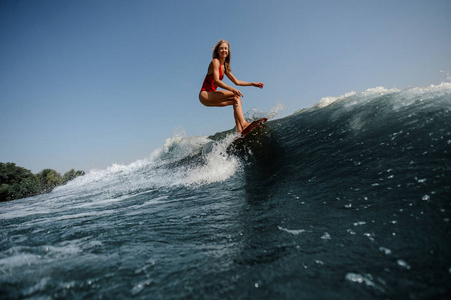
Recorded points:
(17, 182)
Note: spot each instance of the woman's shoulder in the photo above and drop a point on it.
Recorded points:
(215, 64)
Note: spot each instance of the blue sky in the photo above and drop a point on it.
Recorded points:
(85, 84)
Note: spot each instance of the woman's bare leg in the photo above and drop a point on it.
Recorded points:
(241, 123)
(239, 128)
(225, 98)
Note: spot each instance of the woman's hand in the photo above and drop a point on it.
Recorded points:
(258, 84)
(237, 93)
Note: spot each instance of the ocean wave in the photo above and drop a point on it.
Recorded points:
(178, 162)
(350, 192)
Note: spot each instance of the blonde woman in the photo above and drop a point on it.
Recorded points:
(209, 96)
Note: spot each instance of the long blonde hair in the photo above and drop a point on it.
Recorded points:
(227, 60)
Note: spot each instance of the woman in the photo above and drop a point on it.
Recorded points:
(208, 95)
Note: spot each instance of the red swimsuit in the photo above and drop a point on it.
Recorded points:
(209, 82)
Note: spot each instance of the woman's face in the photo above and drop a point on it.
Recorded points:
(223, 50)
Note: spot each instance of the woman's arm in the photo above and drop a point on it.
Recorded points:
(243, 83)
(218, 82)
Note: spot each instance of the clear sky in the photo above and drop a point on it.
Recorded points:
(85, 84)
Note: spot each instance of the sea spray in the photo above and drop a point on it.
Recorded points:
(219, 165)
(255, 113)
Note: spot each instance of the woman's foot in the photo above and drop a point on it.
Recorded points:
(246, 124)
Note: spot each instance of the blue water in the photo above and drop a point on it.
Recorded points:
(349, 199)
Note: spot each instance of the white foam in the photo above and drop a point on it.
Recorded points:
(365, 279)
(18, 260)
(371, 93)
(291, 231)
(178, 147)
(159, 170)
(326, 101)
(219, 166)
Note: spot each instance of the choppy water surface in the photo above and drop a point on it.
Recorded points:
(349, 199)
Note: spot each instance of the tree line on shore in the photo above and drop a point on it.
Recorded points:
(17, 182)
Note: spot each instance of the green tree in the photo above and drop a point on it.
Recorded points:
(16, 182)
(4, 192)
(10, 173)
(48, 179)
(72, 174)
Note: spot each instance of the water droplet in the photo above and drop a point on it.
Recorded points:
(359, 223)
(385, 250)
(403, 263)
(351, 232)
(326, 236)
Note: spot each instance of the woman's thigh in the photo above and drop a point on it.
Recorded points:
(217, 98)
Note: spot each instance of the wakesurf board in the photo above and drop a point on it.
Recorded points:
(254, 125)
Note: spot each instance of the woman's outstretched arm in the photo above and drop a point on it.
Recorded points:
(243, 83)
